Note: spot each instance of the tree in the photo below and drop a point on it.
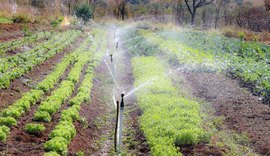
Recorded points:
(193, 5)
(122, 9)
(83, 11)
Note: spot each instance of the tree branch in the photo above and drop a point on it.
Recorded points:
(189, 9)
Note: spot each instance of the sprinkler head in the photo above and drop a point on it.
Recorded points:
(122, 101)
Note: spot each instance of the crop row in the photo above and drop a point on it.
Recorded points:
(54, 102)
(12, 45)
(246, 60)
(36, 58)
(193, 58)
(14, 111)
(251, 67)
(65, 131)
(13, 61)
(168, 120)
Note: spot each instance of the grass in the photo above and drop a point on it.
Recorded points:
(5, 20)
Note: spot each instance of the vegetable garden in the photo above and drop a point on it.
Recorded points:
(68, 109)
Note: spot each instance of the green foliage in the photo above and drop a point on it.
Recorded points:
(57, 21)
(51, 154)
(26, 30)
(80, 153)
(14, 44)
(71, 114)
(207, 52)
(139, 46)
(168, 119)
(53, 103)
(34, 128)
(65, 131)
(84, 11)
(42, 116)
(57, 144)
(5, 20)
(23, 104)
(8, 121)
(17, 65)
(4, 131)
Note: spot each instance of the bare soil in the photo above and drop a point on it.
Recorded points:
(244, 112)
(97, 138)
(86, 137)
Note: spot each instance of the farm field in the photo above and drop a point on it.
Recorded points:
(181, 98)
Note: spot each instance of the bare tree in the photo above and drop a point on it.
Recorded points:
(193, 5)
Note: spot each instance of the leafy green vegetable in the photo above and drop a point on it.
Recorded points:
(34, 128)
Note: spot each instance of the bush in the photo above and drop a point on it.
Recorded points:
(33, 128)
(84, 11)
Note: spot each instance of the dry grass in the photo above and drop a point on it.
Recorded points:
(263, 36)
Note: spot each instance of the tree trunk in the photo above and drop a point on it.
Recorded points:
(193, 18)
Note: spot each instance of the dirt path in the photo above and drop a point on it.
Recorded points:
(243, 111)
(97, 138)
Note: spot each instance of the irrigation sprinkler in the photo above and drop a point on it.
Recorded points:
(119, 125)
(116, 126)
(121, 117)
(111, 55)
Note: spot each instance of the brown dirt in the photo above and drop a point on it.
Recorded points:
(201, 150)
(86, 137)
(24, 84)
(243, 111)
(12, 31)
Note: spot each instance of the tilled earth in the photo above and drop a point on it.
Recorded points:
(243, 111)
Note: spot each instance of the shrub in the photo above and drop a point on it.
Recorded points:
(34, 128)
(84, 11)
